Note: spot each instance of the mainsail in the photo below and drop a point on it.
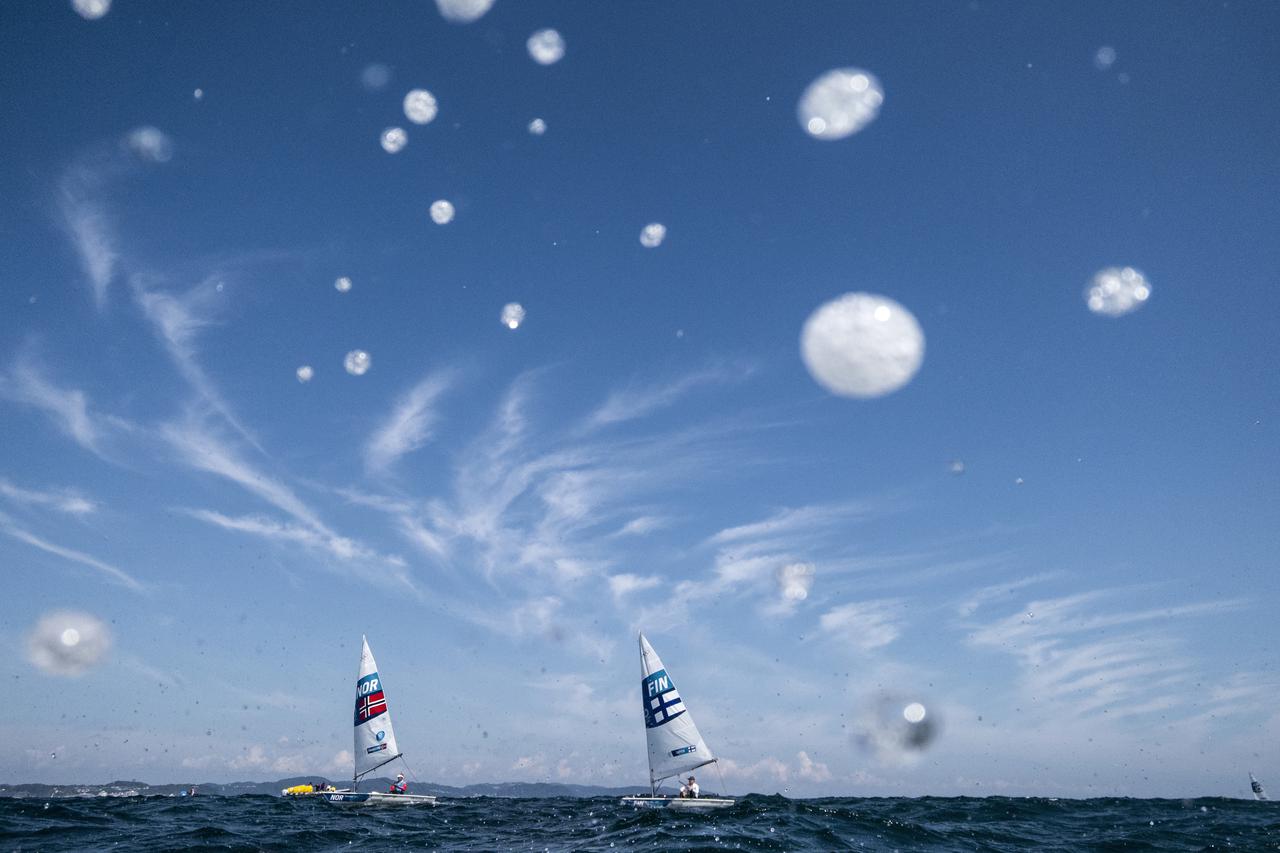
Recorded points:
(375, 740)
(674, 743)
(1258, 793)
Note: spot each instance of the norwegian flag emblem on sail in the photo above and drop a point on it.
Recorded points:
(370, 701)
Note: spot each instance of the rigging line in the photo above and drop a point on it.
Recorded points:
(720, 773)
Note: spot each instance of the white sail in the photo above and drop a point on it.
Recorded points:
(1256, 786)
(674, 743)
(375, 740)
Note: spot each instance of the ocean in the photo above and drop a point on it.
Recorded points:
(249, 823)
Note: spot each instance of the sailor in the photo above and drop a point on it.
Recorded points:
(689, 789)
(399, 786)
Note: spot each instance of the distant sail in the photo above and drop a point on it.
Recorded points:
(674, 743)
(375, 740)
(1258, 793)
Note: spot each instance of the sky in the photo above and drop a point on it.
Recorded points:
(967, 492)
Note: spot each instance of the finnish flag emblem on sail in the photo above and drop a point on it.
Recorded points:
(661, 700)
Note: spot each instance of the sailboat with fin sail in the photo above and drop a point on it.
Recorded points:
(675, 745)
(1256, 787)
(375, 741)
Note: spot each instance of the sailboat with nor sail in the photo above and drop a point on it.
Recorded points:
(675, 746)
(375, 741)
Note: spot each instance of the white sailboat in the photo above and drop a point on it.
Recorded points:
(375, 741)
(675, 746)
(1256, 787)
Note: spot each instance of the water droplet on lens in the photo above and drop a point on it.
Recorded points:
(1104, 58)
(546, 47)
(91, 10)
(862, 345)
(463, 11)
(394, 139)
(342, 284)
(305, 373)
(652, 235)
(840, 103)
(375, 76)
(420, 106)
(537, 127)
(441, 212)
(512, 315)
(1116, 291)
(357, 362)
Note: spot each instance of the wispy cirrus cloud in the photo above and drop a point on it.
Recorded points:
(10, 528)
(864, 625)
(632, 403)
(408, 427)
(63, 500)
(68, 409)
(1081, 656)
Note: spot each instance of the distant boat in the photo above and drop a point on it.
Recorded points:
(1258, 793)
(675, 746)
(375, 742)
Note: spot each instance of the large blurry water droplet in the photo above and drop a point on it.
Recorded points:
(342, 284)
(305, 373)
(198, 94)
(91, 10)
(956, 467)
(840, 103)
(394, 139)
(537, 127)
(862, 345)
(652, 235)
(512, 315)
(375, 77)
(1116, 291)
(68, 642)
(357, 362)
(150, 144)
(893, 728)
(441, 212)
(420, 106)
(913, 713)
(463, 11)
(1104, 58)
(546, 47)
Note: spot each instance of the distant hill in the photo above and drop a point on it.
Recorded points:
(122, 788)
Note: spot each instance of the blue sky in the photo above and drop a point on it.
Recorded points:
(1087, 608)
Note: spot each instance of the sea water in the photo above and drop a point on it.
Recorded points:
(249, 823)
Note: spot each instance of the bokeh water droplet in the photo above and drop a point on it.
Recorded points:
(537, 127)
(463, 11)
(956, 467)
(512, 315)
(840, 103)
(1104, 58)
(862, 345)
(546, 47)
(357, 362)
(150, 144)
(442, 211)
(394, 139)
(305, 373)
(342, 284)
(652, 235)
(198, 94)
(91, 10)
(914, 713)
(375, 77)
(893, 728)
(1116, 291)
(420, 106)
(68, 642)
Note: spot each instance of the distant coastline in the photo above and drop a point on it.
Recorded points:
(131, 788)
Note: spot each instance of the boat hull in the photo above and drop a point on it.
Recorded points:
(375, 798)
(692, 804)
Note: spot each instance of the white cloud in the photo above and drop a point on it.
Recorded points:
(634, 403)
(810, 770)
(8, 527)
(68, 408)
(409, 425)
(63, 500)
(864, 625)
(89, 228)
(624, 584)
